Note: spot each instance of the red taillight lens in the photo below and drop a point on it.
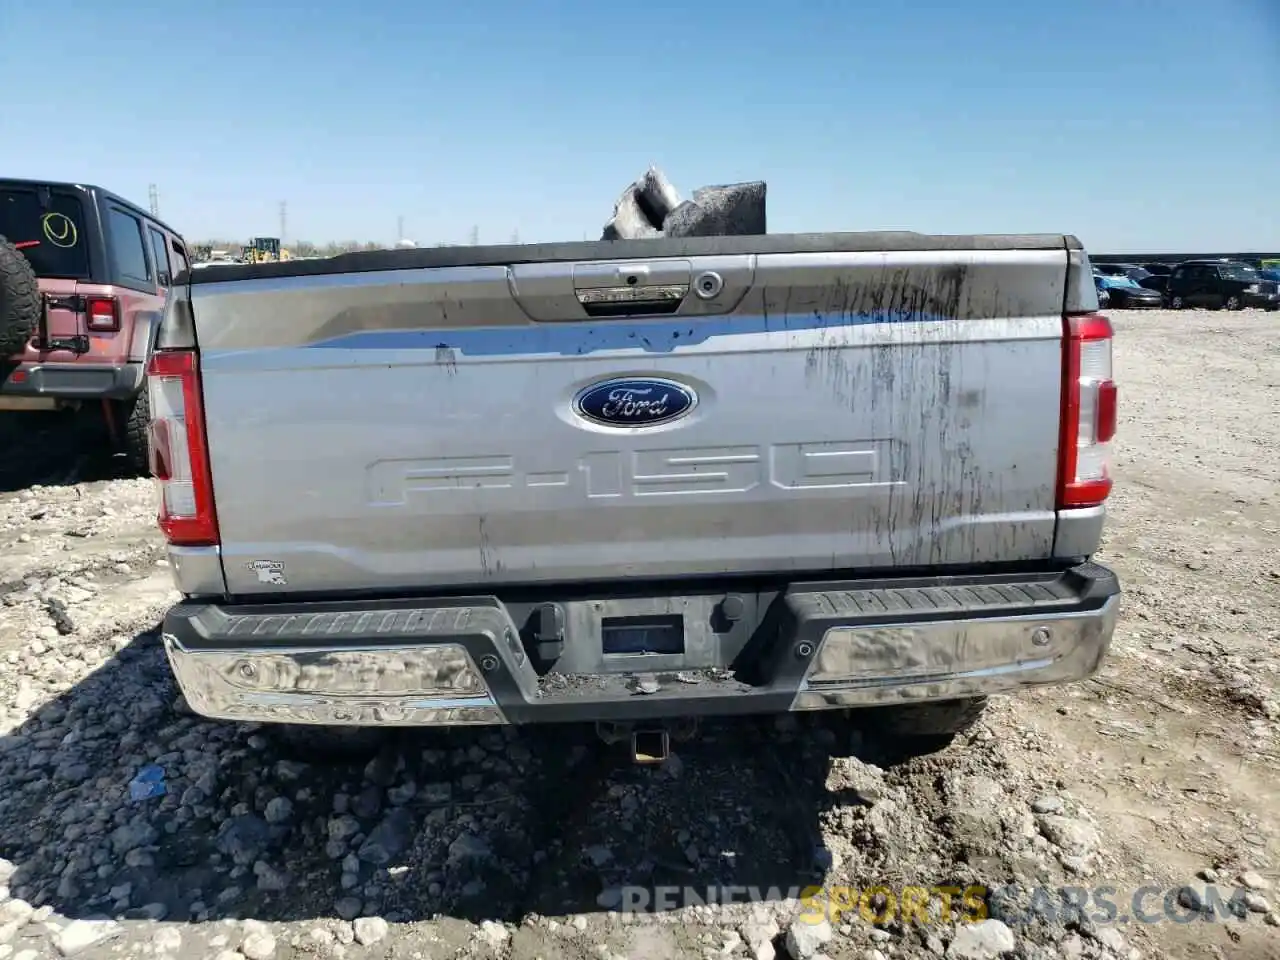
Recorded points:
(102, 314)
(179, 451)
(161, 450)
(1088, 421)
(1106, 426)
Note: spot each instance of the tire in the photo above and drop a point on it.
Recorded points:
(1232, 303)
(19, 301)
(134, 416)
(900, 733)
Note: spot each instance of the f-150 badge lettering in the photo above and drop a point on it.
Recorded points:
(269, 571)
(634, 402)
(679, 471)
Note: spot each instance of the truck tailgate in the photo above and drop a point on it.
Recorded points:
(517, 423)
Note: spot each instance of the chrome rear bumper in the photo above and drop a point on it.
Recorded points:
(403, 686)
(813, 647)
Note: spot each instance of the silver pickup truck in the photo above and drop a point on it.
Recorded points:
(637, 482)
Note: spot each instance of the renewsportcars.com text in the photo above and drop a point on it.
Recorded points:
(946, 904)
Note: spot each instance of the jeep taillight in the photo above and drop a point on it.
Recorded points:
(179, 452)
(102, 314)
(1088, 419)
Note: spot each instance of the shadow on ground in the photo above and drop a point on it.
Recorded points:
(477, 824)
(56, 449)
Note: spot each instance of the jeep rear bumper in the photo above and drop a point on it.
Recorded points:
(75, 381)
(813, 646)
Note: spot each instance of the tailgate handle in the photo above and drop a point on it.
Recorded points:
(633, 299)
(613, 289)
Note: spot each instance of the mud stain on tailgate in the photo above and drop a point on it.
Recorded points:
(907, 385)
(891, 296)
(490, 564)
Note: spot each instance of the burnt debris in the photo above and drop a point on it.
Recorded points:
(651, 207)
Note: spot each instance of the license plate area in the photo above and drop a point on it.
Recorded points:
(636, 636)
(644, 634)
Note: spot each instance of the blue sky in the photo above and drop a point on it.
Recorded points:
(1136, 125)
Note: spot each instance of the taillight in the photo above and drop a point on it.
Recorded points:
(1088, 411)
(102, 314)
(179, 451)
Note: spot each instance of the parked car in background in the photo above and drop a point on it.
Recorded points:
(1155, 281)
(1155, 276)
(83, 279)
(1270, 274)
(1114, 269)
(1140, 274)
(1104, 298)
(1217, 283)
(1125, 293)
(1148, 280)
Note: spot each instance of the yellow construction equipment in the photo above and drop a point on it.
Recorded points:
(265, 250)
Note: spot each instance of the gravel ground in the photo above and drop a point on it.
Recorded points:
(1162, 771)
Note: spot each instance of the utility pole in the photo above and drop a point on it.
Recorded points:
(153, 195)
(475, 236)
(284, 209)
(515, 237)
(400, 227)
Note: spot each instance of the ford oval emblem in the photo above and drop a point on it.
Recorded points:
(634, 402)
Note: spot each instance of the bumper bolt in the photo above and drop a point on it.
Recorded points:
(804, 649)
(1041, 637)
(489, 663)
(247, 670)
(732, 608)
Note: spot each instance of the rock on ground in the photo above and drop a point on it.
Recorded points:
(369, 930)
(986, 940)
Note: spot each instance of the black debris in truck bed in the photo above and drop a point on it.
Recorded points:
(651, 207)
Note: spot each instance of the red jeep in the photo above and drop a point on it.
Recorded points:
(83, 279)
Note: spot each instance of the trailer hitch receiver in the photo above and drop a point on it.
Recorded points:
(650, 746)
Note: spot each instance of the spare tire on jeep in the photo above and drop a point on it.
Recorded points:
(19, 301)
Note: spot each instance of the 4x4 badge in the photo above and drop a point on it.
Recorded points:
(269, 571)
